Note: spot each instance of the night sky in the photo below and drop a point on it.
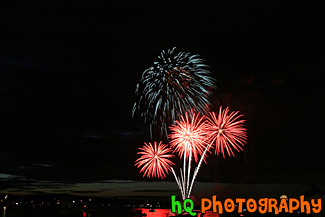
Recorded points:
(68, 73)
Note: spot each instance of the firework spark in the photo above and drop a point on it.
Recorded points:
(226, 131)
(176, 83)
(154, 160)
(188, 136)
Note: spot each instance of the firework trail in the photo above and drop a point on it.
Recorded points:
(176, 83)
(154, 160)
(225, 132)
(188, 137)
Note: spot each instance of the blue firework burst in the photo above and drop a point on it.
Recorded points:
(177, 83)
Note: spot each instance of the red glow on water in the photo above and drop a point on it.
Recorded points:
(167, 213)
(211, 214)
(157, 213)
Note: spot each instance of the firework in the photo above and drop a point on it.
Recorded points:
(176, 83)
(226, 131)
(188, 136)
(154, 160)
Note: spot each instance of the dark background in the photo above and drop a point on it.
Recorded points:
(68, 73)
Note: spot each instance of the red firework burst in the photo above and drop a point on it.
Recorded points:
(189, 136)
(154, 160)
(226, 131)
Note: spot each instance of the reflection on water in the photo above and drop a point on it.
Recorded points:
(138, 212)
(210, 214)
(156, 213)
(167, 213)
